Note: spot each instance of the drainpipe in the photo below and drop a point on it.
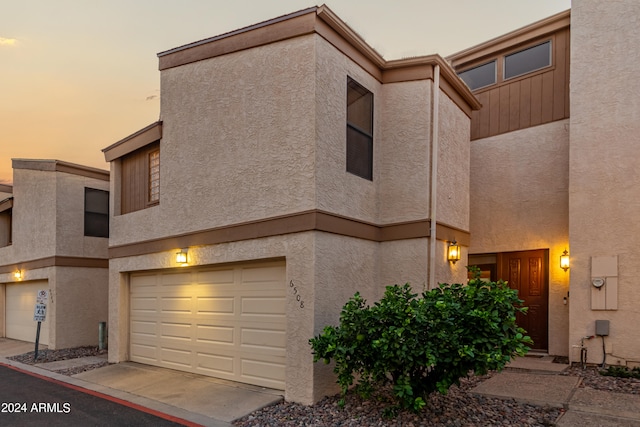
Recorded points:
(435, 103)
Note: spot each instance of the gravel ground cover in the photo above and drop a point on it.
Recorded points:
(47, 355)
(459, 408)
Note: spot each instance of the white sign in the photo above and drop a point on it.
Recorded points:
(40, 313)
(42, 296)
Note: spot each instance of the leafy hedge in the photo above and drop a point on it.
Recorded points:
(423, 344)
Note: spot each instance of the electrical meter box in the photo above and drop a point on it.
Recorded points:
(602, 328)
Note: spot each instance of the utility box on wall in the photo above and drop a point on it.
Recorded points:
(604, 282)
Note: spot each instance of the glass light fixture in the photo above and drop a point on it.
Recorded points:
(564, 260)
(181, 257)
(453, 252)
(18, 274)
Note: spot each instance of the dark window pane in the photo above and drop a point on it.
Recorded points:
(96, 213)
(528, 60)
(359, 130)
(359, 153)
(480, 76)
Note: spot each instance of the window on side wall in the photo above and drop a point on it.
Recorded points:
(359, 130)
(140, 179)
(5, 222)
(528, 60)
(480, 76)
(96, 213)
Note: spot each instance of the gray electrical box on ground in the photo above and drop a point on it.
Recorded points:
(602, 328)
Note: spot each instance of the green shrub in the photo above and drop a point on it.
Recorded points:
(423, 344)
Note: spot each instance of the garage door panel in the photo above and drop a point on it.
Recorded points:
(179, 331)
(20, 302)
(209, 334)
(178, 305)
(264, 338)
(207, 305)
(268, 306)
(212, 321)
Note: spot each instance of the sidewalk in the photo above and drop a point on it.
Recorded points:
(202, 400)
(537, 381)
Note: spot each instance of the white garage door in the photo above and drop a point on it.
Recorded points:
(223, 322)
(20, 302)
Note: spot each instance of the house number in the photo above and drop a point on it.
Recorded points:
(294, 288)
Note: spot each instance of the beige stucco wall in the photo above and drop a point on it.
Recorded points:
(48, 221)
(238, 142)
(519, 201)
(605, 178)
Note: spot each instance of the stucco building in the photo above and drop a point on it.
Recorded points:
(54, 225)
(292, 166)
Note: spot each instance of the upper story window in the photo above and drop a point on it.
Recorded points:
(140, 179)
(154, 176)
(480, 76)
(359, 130)
(527, 60)
(96, 212)
(5, 221)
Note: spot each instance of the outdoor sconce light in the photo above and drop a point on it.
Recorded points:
(453, 252)
(181, 257)
(564, 260)
(18, 275)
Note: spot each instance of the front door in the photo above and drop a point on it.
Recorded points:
(528, 273)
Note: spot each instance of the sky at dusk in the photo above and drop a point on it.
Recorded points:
(77, 75)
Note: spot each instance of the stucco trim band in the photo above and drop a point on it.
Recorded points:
(314, 220)
(60, 166)
(56, 261)
(6, 188)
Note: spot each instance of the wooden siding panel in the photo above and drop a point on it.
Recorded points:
(484, 115)
(528, 100)
(536, 100)
(559, 82)
(525, 103)
(547, 97)
(514, 106)
(494, 114)
(134, 183)
(504, 109)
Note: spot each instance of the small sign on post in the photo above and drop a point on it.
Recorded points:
(40, 315)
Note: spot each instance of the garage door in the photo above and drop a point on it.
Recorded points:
(228, 323)
(20, 301)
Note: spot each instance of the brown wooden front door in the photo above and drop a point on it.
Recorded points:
(528, 273)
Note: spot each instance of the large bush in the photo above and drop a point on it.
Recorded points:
(423, 344)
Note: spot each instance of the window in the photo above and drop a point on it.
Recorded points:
(480, 76)
(5, 221)
(154, 176)
(140, 179)
(96, 213)
(528, 60)
(359, 130)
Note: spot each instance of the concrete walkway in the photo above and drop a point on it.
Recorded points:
(536, 381)
(212, 402)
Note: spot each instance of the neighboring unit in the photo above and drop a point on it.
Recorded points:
(292, 167)
(54, 229)
(554, 172)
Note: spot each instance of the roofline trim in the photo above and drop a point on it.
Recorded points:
(139, 139)
(50, 165)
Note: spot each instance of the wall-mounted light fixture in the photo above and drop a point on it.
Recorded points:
(453, 252)
(181, 257)
(564, 260)
(18, 275)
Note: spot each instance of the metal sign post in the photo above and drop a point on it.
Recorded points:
(39, 315)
